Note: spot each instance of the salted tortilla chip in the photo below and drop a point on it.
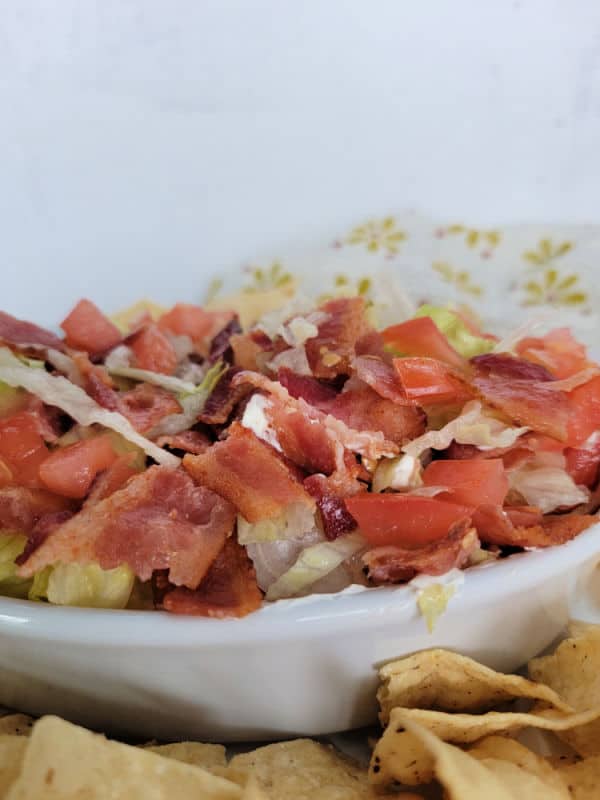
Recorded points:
(301, 770)
(506, 749)
(124, 318)
(442, 680)
(65, 762)
(12, 750)
(573, 670)
(16, 725)
(582, 778)
(467, 778)
(400, 756)
(252, 790)
(207, 756)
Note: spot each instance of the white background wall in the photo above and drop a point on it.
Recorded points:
(148, 138)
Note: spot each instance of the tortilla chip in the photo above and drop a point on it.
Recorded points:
(251, 306)
(582, 778)
(16, 725)
(399, 756)
(65, 762)
(124, 318)
(252, 790)
(573, 670)
(301, 770)
(506, 749)
(446, 681)
(468, 778)
(12, 750)
(207, 756)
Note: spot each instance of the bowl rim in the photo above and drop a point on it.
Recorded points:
(301, 618)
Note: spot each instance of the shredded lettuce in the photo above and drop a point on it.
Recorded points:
(402, 472)
(11, 546)
(294, 522)
(433, 601)
(314, 563)
(456, 331)
(55, 390)
(83, 585)
(168, 382)
(192, 403)
(547, 487)
(474, 425)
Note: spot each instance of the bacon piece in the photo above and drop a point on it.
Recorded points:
(509, 367)
(310, 389)
(331, 351)
(336, 520)
(251, 350)
(20, 508)
(143, 406)
(40, 532)
(223, 399)
(372, 344)
(220, 347)
(229, 588)
(397, 564)
(112, 479)
(249, 473)
(194, 442)
(506, 528)
(20, 332)
(558, 351)
(46, 417)
(527, 402)
(310, 437)
(381, 377)
(159, 520)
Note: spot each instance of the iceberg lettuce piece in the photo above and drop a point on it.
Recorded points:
(456, 331)
(84, 585)
(11, 546)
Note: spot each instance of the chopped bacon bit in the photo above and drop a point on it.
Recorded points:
(524, 516)
(229, 588)
(508, 367)
(583, 464)
(20, 332)
(346, 323)
(152, 350)
(251, 349)
(310, 389)
(159, 520)
(87, 328)
(21, 508)
(249, 473)
(40, 532)
(112, 479)
(336, 520)
(558, 351)
(397, 564)
(146, 405)
(47, 418)
(220, 347)
(372, 344)
(495, 526)
(223, 399)
(527, 402)
(382, 377)
(194, 442)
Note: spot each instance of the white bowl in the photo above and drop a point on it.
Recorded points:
(299, 667)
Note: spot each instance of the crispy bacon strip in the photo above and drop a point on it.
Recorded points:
(382, 378)
(20, 332)
(223, 399)
(397, 565)
(229, 588)
(220, 347)
(159, 520)
(191, 441)
(20, 508)
(41, 530)
(145, 406)
(501, 527)
(249, 473)
(329, 493)
(331, 351)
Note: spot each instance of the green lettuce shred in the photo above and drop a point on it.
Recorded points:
(83, 585)
(455, 330)
(432, 602)
(11, 546)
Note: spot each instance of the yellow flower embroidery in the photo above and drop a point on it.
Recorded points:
(459, 278)
(273, 277)
(476, 236)
(344, 287)
(554, 289)
(547, 252)
(378, 234)
(214, 287)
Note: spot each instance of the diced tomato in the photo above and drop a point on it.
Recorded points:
(153, 351)
(22, 449)
(70, 471)
(583, 465)
(584, 419)
(558, 351)
(185, 319)
(87, 328)
(471, 482)
(404, 520)
(426, 380)
(422, 337)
